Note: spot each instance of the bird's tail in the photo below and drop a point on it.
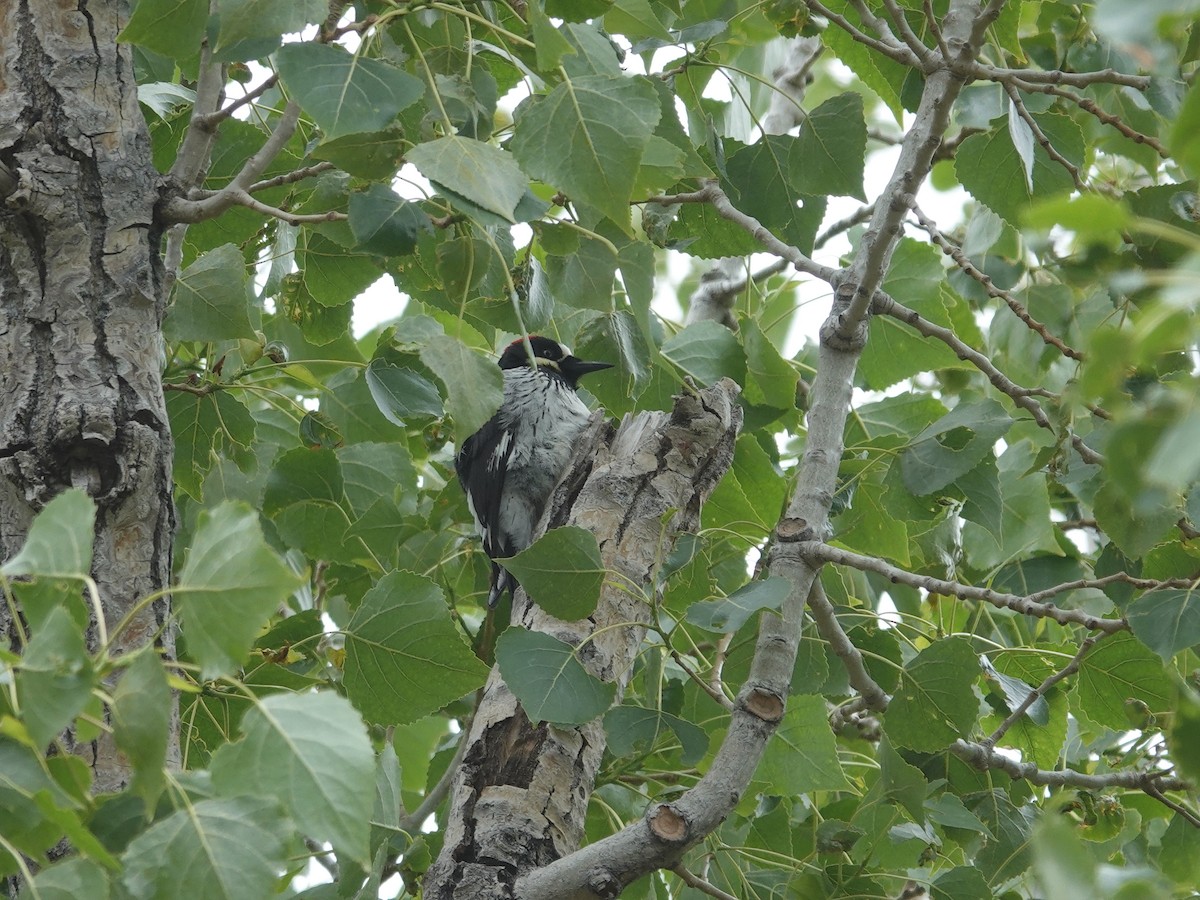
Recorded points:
(502, 580)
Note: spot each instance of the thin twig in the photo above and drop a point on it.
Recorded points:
(437, 793)
(1018, 103)
(874, 697)
(981, 757)
(1190, 817)
(896, 51)
(816, 551)
(985, 72)
(1090, 106)
(699, 884)
(960, 259)
(1023, 397)
(1040, 691)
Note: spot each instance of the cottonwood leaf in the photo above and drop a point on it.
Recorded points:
(934, 705)
(561, 571)
(404, 657)
(230, 584)
(402, 393)
(141, 718)
(59, 542)
(343, 92)
(730, 613)
(486, 175)
(211, 301)
(1119, 669)
(55, 678)
(587, 137)
(474, 385)
(221, 849)
(1166, 621)
(802, 755)
(311, 753)
(545, 675)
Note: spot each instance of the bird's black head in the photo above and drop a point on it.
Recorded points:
(549, 356)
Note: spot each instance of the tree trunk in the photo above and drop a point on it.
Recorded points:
(521, 794)
(81, 304)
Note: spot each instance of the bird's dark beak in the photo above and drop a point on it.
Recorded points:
(575, 368)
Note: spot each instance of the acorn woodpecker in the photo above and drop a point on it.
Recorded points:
(509, 466)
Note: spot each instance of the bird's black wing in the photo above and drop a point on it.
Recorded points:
(482, 465)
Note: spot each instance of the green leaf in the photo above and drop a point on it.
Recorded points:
(221, 849)
(953, 445)
(230, 584)
(55, 678)
(730, 613)
(634, 729)
(486, 175)
(832, 148)
(59, 542)
(1166, 621)
(174, 28)
(200, 426)
(345, 93)
(989, 166)
(802, 754)
(404, 657)
(1185, 134)
(546, 676)
(1134, 527)
(385, 223)
(961, 883)
(70, 879)
(586, 137)
(402, 393)
(1007, 511)
(561, 571)
(934, 704)
(474, 385)
(708, 352)
(303, 474)
(211, 299)
(372, 471)
(551, 45)
(141, 716)
(771, 380)
(1120, 668)
(310, 752)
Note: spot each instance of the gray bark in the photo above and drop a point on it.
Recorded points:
(520, 796)
(81, 304)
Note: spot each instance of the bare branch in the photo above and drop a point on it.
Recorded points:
(818, 552)
(982, 758)
(985, 72)
(892, 49)
(178, 209)
(874, 697)
(1023, 397)
(910, 37)
(1155, 791)
(695, 881)
(1090, 106)
(960, 259)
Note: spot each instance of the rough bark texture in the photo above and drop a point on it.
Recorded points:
(81, 303)
(521, 795)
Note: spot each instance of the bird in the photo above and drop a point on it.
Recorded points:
(509, 467)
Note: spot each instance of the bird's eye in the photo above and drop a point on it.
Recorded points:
(547, 354)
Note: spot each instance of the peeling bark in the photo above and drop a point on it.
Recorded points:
(81, 304)
(521, 795)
